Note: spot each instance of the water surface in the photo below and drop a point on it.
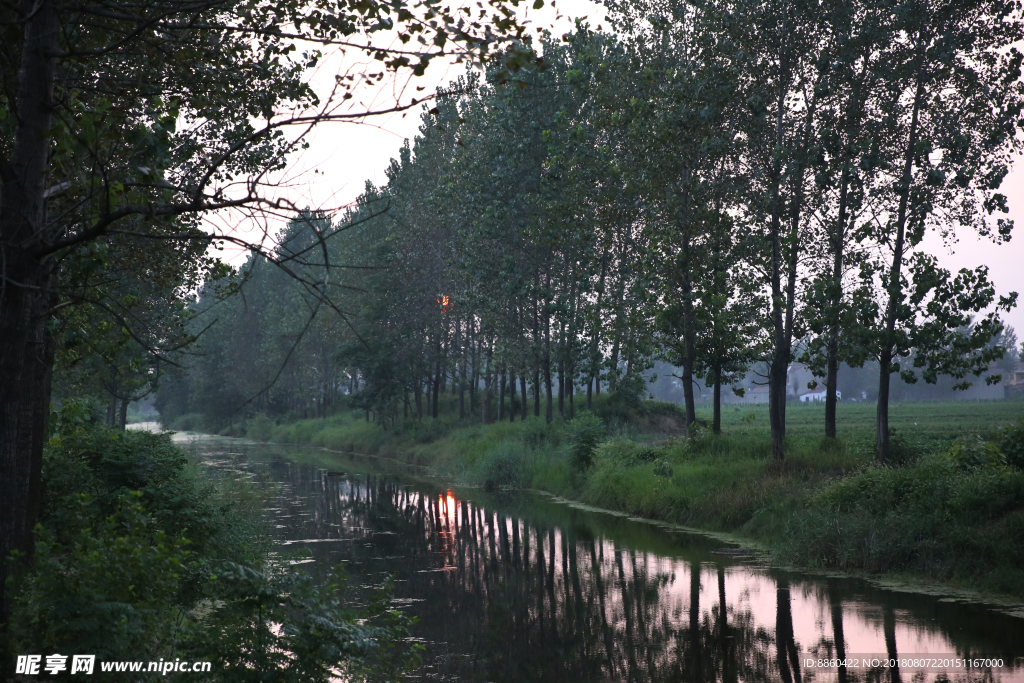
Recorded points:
(517, 587)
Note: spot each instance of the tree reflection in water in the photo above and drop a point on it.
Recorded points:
(507, 591)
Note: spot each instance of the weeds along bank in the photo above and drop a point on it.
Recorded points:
(949, 508)
(142, 554)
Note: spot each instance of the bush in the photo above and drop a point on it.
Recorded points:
(260, 428)
(113, 594)
(663, 469)
(629, 453)
(585, 432)
(937, 517)
(427, 430)
(189, 422)
(139, 556)
(1011, 442)
(972, 454)
(537, 434)
(903, 451)
(505, 465)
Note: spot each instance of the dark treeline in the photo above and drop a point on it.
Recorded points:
(724, 187)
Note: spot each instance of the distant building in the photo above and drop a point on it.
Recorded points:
(1014, 381)
(811, 396)
(798, 381)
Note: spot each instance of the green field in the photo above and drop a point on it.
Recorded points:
(855, 418)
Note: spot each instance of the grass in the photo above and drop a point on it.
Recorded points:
(949, 510)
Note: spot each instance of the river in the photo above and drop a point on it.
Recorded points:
(520, 587)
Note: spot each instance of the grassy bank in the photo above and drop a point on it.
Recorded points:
(143, 554)
(950, 509)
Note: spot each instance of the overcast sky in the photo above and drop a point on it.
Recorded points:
(343, 156)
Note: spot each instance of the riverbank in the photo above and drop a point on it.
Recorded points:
(951, 510)
(142, 553)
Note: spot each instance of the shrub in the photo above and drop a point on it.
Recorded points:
(189, 422)
(585, 432)
(115, 591)
(137, 557)
(938, 517)
(628, 452)
(663, 469)
(260, 428)
(537, 434)
(427, 430)
(903, 451)
(972, 454)
(1011, 442)
(505, 465)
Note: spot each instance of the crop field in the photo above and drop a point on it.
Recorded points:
(856, 421)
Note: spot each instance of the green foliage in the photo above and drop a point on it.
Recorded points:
(584, 434)
(505, 465)
(629, 452)
(902, 449)
(945, 522)
(189, 422)
(111, 589)
(972, 454)
(142, 554)
(279, 625)
(260, 428)
(537, 435)
(1010, 440)
(427, 431)
(662, 469)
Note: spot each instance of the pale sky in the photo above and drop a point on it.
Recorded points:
(343, 156)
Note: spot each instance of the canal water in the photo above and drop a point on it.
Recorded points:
(519, 587)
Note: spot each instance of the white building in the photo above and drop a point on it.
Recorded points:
(817, 396)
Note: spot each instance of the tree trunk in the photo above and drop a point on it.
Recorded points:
(561, 388)
(688, 400)
(488, 388)
(781, 313)
(536, 393)
(462, 390)
(887, 350)
(595, 348)
(716, 421)
(123, 417)
(783, 322)
(501, 395)
(570, 388)
(111, 409)
(835, 301)
(512, 396)
(26, 355)
(549, 412)
(436, 391)
(522, 386)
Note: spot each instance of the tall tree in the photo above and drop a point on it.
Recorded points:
(113, 129)
(945, 131)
